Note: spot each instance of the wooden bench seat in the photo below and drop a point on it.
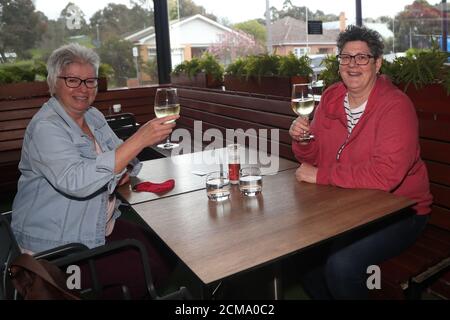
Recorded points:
(423, 264)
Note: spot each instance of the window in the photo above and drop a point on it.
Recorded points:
(300, 51)
(112, 28)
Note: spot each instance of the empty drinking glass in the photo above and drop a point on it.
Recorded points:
(218, 186)
(250, 181)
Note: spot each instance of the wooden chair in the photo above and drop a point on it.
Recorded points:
(123, 124)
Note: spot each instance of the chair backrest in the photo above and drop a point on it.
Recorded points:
(123, 124)
(9, 250)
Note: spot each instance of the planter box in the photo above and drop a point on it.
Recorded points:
(201, 80)
(20, 90)
(430, 98)
(275, 86)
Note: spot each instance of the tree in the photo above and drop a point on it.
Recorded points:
(416, 24)
(116, 19)
(20, 28)
(299, 13)
(187, 8)
(119, 54)
(233, 45)
(254, 28)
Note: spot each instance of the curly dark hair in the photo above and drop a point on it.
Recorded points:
(355, 33)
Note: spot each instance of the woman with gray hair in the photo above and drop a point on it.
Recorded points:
(366, 136)
(71, 164)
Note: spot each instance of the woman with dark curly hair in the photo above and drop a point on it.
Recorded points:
(366, 136)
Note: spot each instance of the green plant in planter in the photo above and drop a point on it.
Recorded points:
(290, 65)
(237, 68)
(419, 67)
(207, 63)
(262, 65)
(331, 73)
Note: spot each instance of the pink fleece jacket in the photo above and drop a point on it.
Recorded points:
(382, 151)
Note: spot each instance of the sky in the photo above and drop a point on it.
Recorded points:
(242, 10)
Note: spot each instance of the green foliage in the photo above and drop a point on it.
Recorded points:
(150, 67)
(118, 53)
(254, 28)
(20, 28)
(262, 65)
(237, 68)
(106, 70)
(290, 65)
(419, 67)
(270, 65)
(22, 71)
(331, 73)
(207, 63)
(186, 8)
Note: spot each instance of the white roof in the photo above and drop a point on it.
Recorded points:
(381, 28)
(148, 34)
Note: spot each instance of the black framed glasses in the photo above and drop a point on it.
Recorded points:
(74, 82)
(360, 59)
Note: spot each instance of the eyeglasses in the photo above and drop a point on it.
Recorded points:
(74, 82)
(360, 59)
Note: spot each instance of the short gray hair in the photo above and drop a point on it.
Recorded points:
(355, 33)
(66, 55)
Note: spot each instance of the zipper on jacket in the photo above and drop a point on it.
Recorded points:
(338, 155)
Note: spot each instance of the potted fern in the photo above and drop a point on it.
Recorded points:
(423, 75)
(267, 74)
(204, 72)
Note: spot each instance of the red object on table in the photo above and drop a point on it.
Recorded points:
(155, 187)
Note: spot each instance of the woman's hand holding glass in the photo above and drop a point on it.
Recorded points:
(299, 129)
(157, 129)
(303, 103)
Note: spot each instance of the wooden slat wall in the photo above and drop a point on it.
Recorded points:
(223, 110)
(434, 128)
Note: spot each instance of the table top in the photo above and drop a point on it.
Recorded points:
(188, 171)
(219, 239)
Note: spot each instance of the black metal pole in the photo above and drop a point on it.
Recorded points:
(444, 25)
(358, 13)
(162, 36)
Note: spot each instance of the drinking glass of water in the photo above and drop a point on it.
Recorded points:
(250, 181)
(218, 186)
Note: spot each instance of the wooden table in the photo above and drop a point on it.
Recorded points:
(218, 240)
(181, 168)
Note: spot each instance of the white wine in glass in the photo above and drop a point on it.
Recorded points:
(166, 104)
(302, 103)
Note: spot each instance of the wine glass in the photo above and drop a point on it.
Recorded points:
(166, 104)
(302, 103)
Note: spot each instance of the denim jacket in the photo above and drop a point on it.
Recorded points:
(64, 185)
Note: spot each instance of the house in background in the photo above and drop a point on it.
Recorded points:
(189, 37)
(381, 28)
(290, 35)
